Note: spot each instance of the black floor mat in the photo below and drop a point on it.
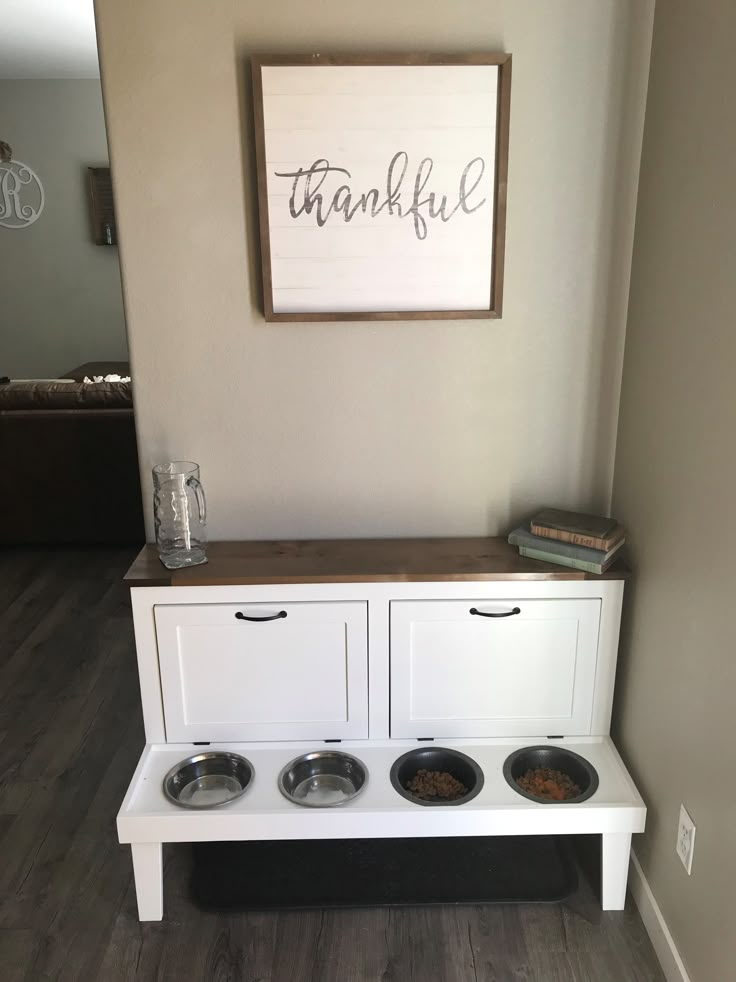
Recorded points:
(379, 872)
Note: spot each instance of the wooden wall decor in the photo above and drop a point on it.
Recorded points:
(382, 185)
(21, 191)
(102, 208)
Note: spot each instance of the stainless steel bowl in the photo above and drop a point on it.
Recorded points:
(578, 768)
(462, 768)
(208, 780)
(323, 779)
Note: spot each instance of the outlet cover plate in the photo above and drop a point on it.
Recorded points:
(685, 846)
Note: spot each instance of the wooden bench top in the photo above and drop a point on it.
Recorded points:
(356, 561)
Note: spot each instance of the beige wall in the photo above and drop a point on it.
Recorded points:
(375, 429)
(675, 480)
(60, 297)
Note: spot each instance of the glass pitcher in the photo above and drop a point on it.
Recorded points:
(179, 514)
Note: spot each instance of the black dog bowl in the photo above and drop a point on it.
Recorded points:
(208, 780)
(576, 767)
(460, 766)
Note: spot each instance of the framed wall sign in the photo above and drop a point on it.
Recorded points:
(102, 206)
(382, 185)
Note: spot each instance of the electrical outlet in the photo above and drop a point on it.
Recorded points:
(685, 846)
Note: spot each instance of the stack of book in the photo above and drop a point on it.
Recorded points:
(585, 542)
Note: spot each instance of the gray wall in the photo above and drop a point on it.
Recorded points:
(675, 478)
(413, 428)
(61, 296)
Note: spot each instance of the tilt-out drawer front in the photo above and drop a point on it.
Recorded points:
(263, 671)
(486, 668)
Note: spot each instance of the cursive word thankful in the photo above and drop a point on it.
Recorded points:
(403, 201)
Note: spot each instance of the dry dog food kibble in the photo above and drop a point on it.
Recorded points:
(546, 783)
(436, 784)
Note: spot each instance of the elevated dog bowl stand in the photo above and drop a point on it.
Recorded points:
(374, 647)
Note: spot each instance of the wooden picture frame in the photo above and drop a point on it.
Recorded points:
(347, 150)
(102, 207)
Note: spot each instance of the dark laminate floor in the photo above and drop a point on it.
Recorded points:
(70, 735)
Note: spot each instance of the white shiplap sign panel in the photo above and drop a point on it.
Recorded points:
(382, 188)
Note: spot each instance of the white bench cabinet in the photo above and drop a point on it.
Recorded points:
(480, 668)
(266, 671)
(273, 648)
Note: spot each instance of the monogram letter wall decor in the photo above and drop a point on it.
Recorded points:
(21, 191)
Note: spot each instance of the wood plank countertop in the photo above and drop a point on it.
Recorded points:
(356, 561)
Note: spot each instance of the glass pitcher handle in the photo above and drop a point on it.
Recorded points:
(201, 503)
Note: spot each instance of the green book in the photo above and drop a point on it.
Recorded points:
(549, 557)
(523, 537)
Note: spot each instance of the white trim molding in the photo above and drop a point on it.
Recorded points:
(655, 924)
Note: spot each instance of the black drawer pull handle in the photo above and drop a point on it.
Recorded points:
(508, 613)
(272, 617)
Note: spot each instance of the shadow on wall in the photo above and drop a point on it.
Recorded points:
(249, 197)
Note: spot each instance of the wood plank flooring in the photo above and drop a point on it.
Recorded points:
(70, 736)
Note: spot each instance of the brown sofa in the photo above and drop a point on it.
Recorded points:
(70, 464)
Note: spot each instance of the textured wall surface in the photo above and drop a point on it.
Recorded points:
(675, 478)
(60, 295)
(423, 428)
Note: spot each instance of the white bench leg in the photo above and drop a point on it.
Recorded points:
(615, 851)
(149, 880)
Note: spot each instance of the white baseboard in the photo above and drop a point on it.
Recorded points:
(656, 927)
